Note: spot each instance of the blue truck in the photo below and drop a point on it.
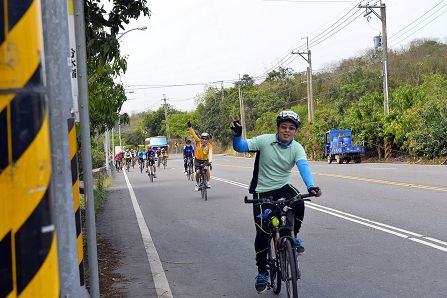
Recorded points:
(338, 147)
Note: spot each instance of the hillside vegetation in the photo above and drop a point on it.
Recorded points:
(347, 95)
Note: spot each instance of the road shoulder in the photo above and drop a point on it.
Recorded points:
(117, 226)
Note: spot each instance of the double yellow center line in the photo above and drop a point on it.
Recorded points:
(380, 181)
(404, 184)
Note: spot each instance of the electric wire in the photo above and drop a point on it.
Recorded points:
(415, 28)
(398, 33)
(317, 39)
(315, 43)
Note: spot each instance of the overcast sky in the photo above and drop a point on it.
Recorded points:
(206, 41)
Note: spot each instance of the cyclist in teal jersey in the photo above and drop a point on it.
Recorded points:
(276, 155)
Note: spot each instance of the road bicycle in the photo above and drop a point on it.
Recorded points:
(150, 172)
(203, 187)
(128, 164)
(282, 261)
(164, 162)
(190, 169)
(141, 162)
(118, 165)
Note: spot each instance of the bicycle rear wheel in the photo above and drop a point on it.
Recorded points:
(288, 268)
(191, 173)
(203, 187)
(273, 268)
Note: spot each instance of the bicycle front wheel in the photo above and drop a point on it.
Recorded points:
(203, 188)
(203, 191)
(273, 268)
(289, 268)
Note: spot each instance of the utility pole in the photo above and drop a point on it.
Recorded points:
(310, 100)
(113, 142)
(166, 116)
(242, 109)
(119, 134)
(384, 43)
(222, 90)
(56, 40)
(86, 147)
(107, 150)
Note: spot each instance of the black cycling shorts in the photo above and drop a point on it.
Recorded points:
(198, 163)
(151, 161)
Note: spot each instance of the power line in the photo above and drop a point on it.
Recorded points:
(409, 32)
(315, 43)
(316, 38)
(329, 29)
(157, 86)
(415, 20)
(313, 1)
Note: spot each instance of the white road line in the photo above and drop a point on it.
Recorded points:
(402, 233)
(360, 222)
(366, 220)
(428, 244)
(158, 273)
(435, 240)
(230, 182)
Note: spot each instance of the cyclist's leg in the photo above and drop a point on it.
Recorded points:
(150, 163)
(153, 166)
(185, 162)
(262, 233)
(197, 170)
(207, 171)
(289, 191)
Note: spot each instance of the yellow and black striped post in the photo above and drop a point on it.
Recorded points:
(28, 250)
(76, 194)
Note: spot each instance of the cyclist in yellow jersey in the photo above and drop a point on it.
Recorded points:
(203, 154)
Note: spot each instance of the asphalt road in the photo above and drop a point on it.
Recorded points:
(379, 230)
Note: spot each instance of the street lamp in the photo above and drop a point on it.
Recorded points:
(139, 28)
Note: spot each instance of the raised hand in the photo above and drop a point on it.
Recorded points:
(236, 126)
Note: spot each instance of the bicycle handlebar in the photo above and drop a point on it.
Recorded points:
(269, 200)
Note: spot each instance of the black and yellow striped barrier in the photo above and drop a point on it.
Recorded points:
(28, 250)
(76, 194)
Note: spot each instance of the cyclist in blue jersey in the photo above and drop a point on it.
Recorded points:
(150, 160)
(276, 155)
(141, 156)
(188, 152)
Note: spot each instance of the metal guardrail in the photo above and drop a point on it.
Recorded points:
(96, 173)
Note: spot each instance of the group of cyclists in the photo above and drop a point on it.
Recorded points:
(144, 158)
(124, 159)
(276, 155)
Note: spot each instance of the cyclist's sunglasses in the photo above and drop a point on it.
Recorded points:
(289, 114)
(204, 138)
